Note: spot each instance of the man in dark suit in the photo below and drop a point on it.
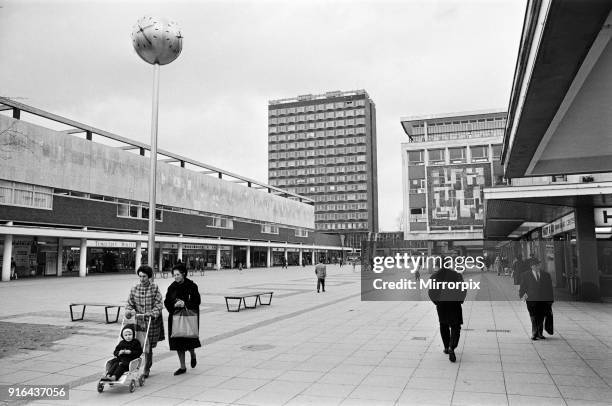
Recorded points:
(537, 288)
(448, 305)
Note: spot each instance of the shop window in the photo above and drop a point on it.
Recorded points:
(436, 156)
(301, 233)
(457, 155)
(497, 151)
(222, 222)
(415, 157)
(269, 229)
(480, 153)
(23, 194)
(136, 211)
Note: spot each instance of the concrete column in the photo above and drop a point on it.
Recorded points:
(7, 255)
(248, 257)
(268, 254)
(231, 256)
(180, 251)
(286, 257)
(314, 257)
(138, 261)
(218, 258)
(160, 258)
(83, 258)
(300, 257)
(60, 251)
(586, 251)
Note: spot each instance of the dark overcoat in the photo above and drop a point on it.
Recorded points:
(188, 292)
(135, 348)
(448, 301)
(540, 294)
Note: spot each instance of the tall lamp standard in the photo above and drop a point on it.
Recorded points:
(157, 41)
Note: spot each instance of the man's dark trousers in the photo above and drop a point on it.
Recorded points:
(450, 334)
(321, 284)
(537, 313)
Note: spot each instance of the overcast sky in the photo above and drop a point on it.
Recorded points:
(75, 59)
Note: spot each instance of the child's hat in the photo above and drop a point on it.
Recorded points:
(128, 327)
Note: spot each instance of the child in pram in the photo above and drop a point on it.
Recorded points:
(127, 350)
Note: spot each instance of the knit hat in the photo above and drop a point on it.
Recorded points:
(129, 327)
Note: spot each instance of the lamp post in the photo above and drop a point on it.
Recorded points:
(157, 41)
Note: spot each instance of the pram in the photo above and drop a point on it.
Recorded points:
(133, 374)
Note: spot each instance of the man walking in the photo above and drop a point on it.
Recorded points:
(321, 272)
(537, 288)
(519, 267)
(448, 305)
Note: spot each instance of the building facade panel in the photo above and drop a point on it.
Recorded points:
(68, 162)
(447, 163)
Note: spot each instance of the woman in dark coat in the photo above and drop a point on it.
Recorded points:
(182, 293)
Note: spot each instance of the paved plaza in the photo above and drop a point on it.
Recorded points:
(311, 348)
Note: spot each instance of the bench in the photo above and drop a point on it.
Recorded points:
(242, 300)
(163, 274)
(105, 305)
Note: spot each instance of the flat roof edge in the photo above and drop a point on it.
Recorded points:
(453, 114)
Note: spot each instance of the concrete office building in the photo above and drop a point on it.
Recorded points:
(446, 164)
(324, 147)
(71, 204)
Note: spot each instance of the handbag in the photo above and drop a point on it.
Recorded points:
(185, 324)
(548, 322)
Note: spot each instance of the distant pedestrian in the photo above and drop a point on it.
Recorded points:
(13, 269)
(240, 266)
(417, 275)
(182, 294)
(537, 289)
(448, 305)
(497, 265)
(146, 299)
(321, 272)
(519, 267)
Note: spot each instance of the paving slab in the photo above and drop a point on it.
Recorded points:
(320, 349)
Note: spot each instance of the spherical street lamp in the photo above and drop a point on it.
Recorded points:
(157, 41)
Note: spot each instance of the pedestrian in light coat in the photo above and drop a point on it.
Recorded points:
(321, 272)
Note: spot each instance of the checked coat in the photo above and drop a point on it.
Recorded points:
(147, 298)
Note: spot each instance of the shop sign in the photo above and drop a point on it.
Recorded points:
(195, 246)
(561, 225)
(603, 216)
(111, 244)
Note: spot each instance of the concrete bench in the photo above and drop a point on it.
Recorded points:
(105, 305)
(241, 300)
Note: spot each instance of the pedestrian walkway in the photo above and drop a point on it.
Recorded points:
(312, 348)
